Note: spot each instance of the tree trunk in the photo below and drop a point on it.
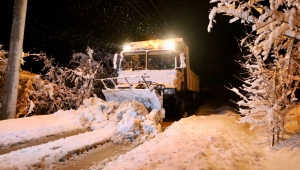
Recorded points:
(14, 60)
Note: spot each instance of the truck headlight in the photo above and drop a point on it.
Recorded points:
(169, 45)
(126, 47)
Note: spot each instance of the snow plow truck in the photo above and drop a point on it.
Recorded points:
(156, 73)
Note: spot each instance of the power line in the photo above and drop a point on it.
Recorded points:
(136, 10)
(159, 13)
(150, 13)
(166, 7)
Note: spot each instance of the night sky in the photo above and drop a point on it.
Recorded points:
(61, 27)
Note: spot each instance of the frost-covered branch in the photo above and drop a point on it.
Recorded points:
(264, 17)
(66, 87)
(59, 87)
(272, 63)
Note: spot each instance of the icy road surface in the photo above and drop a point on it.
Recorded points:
(109, 121)
(214, 141)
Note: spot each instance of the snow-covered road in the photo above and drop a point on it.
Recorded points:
(109, 121)
(214, 141)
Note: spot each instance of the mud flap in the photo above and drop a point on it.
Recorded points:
(151, 99)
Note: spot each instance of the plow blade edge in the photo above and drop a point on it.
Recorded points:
(151, 99)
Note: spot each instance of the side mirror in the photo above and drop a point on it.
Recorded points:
(182, 60)
(115, 60)
(121, 59)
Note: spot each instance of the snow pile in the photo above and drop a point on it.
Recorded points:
(110, 121)
(204, 142)
(197, 142)
(130, 119)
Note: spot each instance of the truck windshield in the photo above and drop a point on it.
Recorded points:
(136, 61)
(161, 60)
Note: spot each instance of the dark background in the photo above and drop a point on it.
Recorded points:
(62, 27)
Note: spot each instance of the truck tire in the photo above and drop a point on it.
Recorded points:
(181, 107)
(168, 105)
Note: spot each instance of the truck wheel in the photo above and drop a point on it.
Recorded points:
(182, 103)
(181, 113)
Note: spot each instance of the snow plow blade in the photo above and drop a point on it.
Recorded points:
(150, 98)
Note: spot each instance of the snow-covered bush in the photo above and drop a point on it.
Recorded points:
(60, 87)
(271, 63)
(24, 88)
(3, 65)
(66, 87)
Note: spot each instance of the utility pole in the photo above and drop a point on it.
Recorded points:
(9, 102)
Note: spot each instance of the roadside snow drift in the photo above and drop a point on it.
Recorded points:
(110, 121)
(197, 142)
(205, 142)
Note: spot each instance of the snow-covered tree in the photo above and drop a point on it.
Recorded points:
(60, 87)
(66, 87)
(272, 61)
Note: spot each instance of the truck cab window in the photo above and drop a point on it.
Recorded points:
(138, 62)
(162, 60)
(126, 63)
(134, 61)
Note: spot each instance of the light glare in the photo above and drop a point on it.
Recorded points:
(126, 47)
(169, 45)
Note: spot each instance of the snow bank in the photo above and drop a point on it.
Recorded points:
(197, 142)
(15, 131)
(46, 155)
(130, 119)
(110, 121)
(207, 142)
